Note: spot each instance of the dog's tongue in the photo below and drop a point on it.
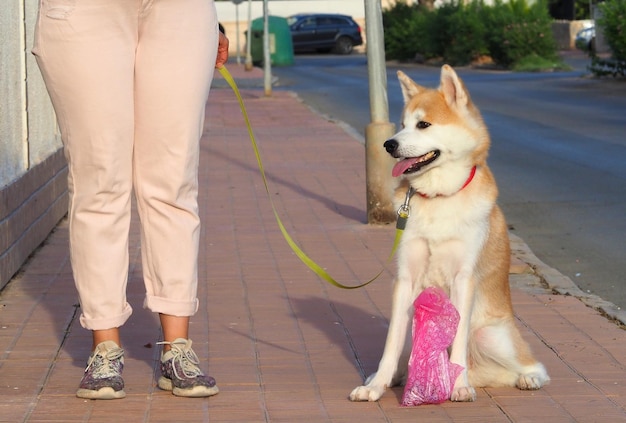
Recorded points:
(401, 167)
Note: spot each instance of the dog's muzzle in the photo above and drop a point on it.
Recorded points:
(408, 164)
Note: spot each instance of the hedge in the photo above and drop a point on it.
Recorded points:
(459, 33)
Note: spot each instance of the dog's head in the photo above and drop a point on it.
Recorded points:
(442, 135)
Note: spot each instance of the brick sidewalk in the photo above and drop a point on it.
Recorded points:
(283, 345)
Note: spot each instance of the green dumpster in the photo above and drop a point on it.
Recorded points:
(281, 47)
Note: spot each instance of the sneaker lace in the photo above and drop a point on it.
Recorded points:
(186, 358)
(105, 366)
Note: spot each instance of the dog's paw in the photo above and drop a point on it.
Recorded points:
(463, 393)
(367, 393)
(533, 379)
(462, 390)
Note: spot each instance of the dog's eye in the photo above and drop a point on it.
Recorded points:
(422, 124)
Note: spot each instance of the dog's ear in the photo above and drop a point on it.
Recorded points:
(453, 89)
(408, 86)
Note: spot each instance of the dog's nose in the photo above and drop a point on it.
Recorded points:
(391, 146)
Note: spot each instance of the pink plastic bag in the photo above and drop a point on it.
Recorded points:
(431, 375)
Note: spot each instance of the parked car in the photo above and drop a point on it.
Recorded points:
(586, 39)
(324, 32)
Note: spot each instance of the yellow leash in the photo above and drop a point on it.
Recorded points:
(403, 212)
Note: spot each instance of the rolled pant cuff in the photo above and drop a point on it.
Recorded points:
(171, 307)
(108, 322)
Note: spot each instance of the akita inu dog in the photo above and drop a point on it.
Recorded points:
(455, 238)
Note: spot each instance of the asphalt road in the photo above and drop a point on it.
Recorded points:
(558, 153)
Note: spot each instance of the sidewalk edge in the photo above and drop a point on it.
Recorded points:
(563, 285)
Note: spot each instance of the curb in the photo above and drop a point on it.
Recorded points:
(554, 281)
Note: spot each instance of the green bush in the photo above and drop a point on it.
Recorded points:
(453, 32)
(459, 33)
(462, 36)
(516, 30)
(404, 27)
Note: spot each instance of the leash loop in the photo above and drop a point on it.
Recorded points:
(319, 271)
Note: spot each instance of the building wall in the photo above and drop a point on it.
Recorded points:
(33, 182)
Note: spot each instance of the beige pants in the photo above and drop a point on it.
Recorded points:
(129, 80)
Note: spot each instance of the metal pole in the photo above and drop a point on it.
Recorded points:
(267, 63)
(248, 63)
(378, 163)
(237, 32)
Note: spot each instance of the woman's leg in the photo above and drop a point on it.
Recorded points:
(85, 51)
(175, 62)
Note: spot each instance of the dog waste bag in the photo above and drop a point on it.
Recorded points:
(431, 374)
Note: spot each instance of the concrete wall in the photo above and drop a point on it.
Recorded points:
(601, 44)
(565, 32)
(33, 180)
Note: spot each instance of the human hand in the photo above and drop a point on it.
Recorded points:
(222, 51)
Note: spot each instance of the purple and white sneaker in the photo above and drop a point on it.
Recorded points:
(180, 372)
(103, 374)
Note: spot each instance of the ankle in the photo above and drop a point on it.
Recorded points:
(100, 336)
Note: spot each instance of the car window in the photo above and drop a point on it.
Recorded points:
(331, 21)
(338, 21)
(307, 23)
(322, 21)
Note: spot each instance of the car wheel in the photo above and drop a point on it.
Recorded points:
(343, 45)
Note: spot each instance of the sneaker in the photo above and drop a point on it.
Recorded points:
(103, 375)
(180, 372)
